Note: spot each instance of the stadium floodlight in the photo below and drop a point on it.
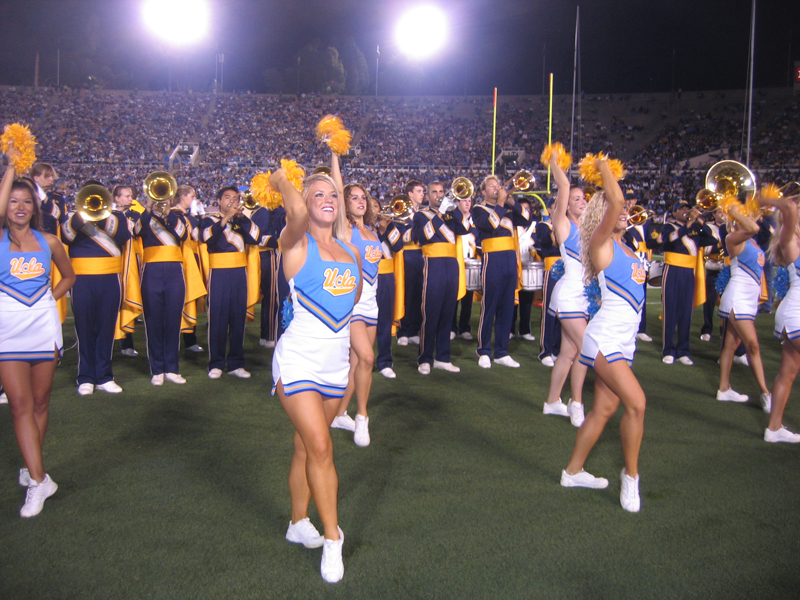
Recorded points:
(421, 32)
(178, 22)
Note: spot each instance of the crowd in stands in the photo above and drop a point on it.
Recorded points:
(121, 136)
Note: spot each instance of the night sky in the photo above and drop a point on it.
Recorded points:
(627, 46)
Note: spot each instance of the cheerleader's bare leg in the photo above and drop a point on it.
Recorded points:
(790, 365)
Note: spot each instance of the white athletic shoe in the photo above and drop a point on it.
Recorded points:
(215, 373)
(507, 361)
(157, 379)
(576, 415)
(24, 477)
(556, 408)
(424, 368)
(195, 348)
(402, 341)
(332, 567)
(685, 360)
(304, 532)
(174, 378)
(86, 389)
(37, 494)
(129, 352)
(549, 361)
(414, 339)
(511, 336)
(466, 336)
(668, 359)
(629, 493)
(731, 396)
(344, 421)
(452, 335)
(484, 362)
(446, 366)
(644, 337)
(361, 433)
(388, 372)
(529, 337)
(240, 373)
(3, 398)
(706, 337)
(266, 344)
(782, 435)
(766, 402)
(110, 387)
(583, 479)
(741, 360)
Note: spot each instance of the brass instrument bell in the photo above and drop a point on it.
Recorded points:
(522, 181)
(399, 210)
(638, 215)
(248, 201)
(160, 187)
(93, 203)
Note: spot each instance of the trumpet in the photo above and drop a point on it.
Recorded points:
(160, 187)
(399, 210)
(93, 203)
(461, 189)
(638, 215)
(248, 201)
(522, 181)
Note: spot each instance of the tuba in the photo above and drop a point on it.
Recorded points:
(727, 181)
(399, 210)
(160, 187)
(93, 203)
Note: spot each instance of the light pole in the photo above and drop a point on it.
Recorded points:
(377, 64)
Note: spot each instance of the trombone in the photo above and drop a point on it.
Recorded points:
(638, 215)
(160, 187)
(522, 181)
(399, 210)
(461, 189)
(93, 202)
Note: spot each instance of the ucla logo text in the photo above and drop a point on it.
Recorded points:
(339, 285)
(373, 253)
(639, 274)
(26, 270)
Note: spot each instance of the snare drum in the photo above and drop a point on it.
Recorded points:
(655, 274)
(532, 276)
(472, 269)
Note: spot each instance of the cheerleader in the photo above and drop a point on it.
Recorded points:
(610, 340)
(30, 327)
(310, 365)
(739, 305)
(785, 250)
(568, 302)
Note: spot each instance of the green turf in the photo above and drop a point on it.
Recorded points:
(180, 491)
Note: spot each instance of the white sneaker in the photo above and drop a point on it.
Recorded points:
(269, 344)
(240, 373)
(129, 352)
(731, 396)
(157, 379)
(24, 477)
(466, 336)
(37, 494)
(332, 567)
(446, 366)
(215, 373)
(304, 532)
(174, 378)
(452, 335)
(86, 389)
(414, 339)
(361, 434)
(706, 337)
(576, 415)
(668, 359)
(782, 435)
(507, 361)
(388, 372)
(110, 387)
(511, 336)
(195, 348)
(685, 360)
(556, 408)
(549, 361)
(3, 398)
(402, 341)
(644, 337)
(424, 368)
(344, 421)
(583, 479)
(741, 360)
(629, 493)
(766, 402)
(484, 362)
(529, 337)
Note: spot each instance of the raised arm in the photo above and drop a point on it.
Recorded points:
(294, 232)
(745, 229)
(601, 247)
(789, 242)
(336, 172)
(5, 184)
(559, 214)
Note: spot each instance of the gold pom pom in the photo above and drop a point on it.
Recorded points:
(331, 131)
(728, 201)
(294, 173)
(771, 192)
(563, 158)
(340, 141)
(591, 174)
(24, 144)
(261, 188)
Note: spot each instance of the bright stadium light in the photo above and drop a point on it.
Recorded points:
(178, 22)
(421, 31)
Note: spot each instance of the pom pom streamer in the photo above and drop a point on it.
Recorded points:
(294, 173)
(781, 282)
(563, 158)
(593, 294)
(591, 174)
(331, 131)
(770, 191)
(263, 192)
(557, 270)
(24, 144)
(723, 278)
(287, 313)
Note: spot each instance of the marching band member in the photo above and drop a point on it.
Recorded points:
(185, 200)
(469, 242)
(310, 366)
(739, 305)
(95, 249)
(610, 340)
(30, 328)
(268, 253)
(495, 220)
(123, 200)
(412, 258)
(388, 290)
(162, 231)
(568, 302)
(435, 230)
(526, 244)
(641, 240)
(54, 207)
(785, 251)
(714, 259)
(550, 329)
(226, 236)
(683, 282)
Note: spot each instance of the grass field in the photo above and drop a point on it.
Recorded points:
(180, 491)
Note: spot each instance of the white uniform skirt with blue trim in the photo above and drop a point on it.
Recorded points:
(29, 333)
(367, 308)
(787, 319)
(613, 338)
(740, 298)
(568, 300)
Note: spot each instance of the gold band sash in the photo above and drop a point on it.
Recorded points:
(162, 254)
(97, 265)
(499, 244)
(687, 261)
(696, 263)
(549, 261)
(411, 246)
(386, 266)
(227, 260)
(440, 250)
(266, 249)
